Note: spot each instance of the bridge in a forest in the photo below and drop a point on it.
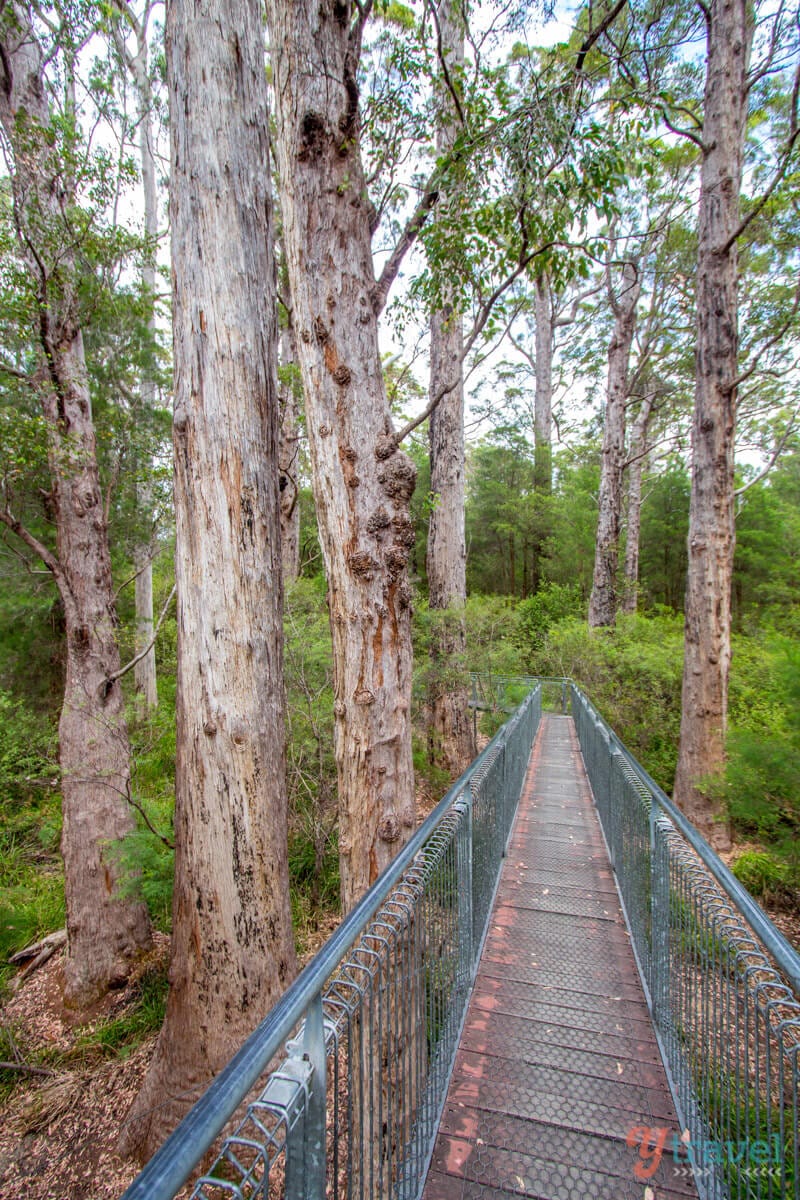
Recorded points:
(557, 990)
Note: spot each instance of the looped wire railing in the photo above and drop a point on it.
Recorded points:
(723, 982)
(344, 1081)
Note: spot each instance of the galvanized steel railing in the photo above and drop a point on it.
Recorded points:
(345, 1079)
(723, 983)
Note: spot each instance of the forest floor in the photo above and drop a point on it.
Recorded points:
(58, 1129)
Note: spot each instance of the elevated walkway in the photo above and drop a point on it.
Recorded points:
(557, 1061)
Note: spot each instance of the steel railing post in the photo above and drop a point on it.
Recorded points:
(466, 906)
(314, 1052)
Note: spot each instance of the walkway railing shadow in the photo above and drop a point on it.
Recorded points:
(345, 1079)
(722, 982)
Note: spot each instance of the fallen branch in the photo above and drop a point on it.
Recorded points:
(13, 1066)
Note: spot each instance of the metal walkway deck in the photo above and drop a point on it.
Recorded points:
(558, 1061)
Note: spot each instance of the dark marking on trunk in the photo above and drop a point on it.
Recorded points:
(389, 828)
(362, 565)
(321, 332)
(379, 521)
(313, 135)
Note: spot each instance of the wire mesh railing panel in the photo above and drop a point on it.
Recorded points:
(352, 1108)
(722, 983)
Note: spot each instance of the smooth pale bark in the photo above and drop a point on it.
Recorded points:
(362, 482)
(711, 511)
(288, 461)
(450, 730)
(635, 468)
(145, 669)
(232, 947)
(603, 600)
(106, 931)
(543, 397)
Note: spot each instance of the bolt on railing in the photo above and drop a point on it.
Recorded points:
(722, 982)
(344, 1081)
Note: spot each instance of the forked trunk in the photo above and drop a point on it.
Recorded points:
(603, 600)
(106, 930)
(232, 946)
(707, 651)
(450, 729)
(362, 482)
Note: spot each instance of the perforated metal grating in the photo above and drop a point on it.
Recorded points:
(557, 1060)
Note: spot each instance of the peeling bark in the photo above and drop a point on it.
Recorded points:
(362, 482)
(106, 932)
(603, 600)
(232, 946)
(711, 510)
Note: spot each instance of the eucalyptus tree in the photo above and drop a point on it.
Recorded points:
(107, 929)
(450, 728)
(720, 134)
(623, 301)
(136, 63)
(232, 946)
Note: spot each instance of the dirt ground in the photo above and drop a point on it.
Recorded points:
(58, 1131)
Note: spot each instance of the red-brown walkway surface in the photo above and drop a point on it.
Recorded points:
(557, 1061)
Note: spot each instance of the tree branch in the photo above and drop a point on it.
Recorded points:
(142, 653)
(790, 428)
(380, 292)
(33, 543)
(597, 33)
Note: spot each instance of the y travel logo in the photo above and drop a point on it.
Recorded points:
(700, 1156)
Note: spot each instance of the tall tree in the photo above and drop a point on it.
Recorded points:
(232, 948)
(362, 481)
(603, 600)
(137, 65)
(711, 513)
(450, 727)
(106, 929)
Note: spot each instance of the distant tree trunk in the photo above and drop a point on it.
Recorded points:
(362, 482)
(450, 729)
(635, 468)
(145, 669)
(288, 457)
(106, 932)
(543, 401)
(603, 600)
(711, 511)
(144, 672)
(232, 947)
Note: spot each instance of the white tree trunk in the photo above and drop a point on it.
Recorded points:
(635, 467)
(145, 669)
(711, 511)
(232, 946)
(106, 931)
(362, 482)
(450, 729)
(603, 600)
(543, 400)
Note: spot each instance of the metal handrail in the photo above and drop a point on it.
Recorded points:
(780, 950)
(721, 982)
(340, 999)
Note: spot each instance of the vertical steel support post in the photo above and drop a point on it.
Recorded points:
(314, 1052)
(466, 948)
(659, 922)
